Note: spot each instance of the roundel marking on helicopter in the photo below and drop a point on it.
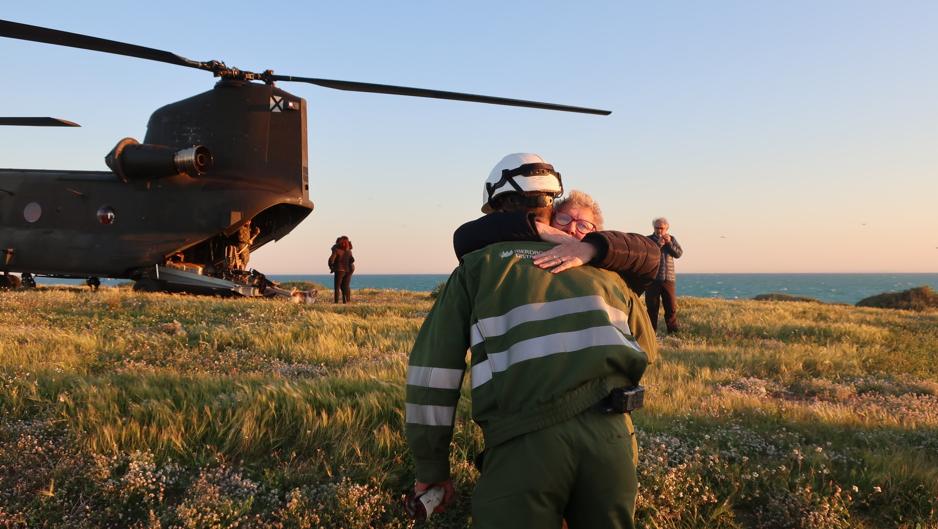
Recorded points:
(32, 212)
(106, 215)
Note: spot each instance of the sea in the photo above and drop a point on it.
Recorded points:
(831, 288)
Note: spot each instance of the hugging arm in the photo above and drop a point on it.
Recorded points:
(633, 256)
(492, 228)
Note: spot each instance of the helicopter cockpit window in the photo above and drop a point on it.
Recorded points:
(106, 215)
(32, 212)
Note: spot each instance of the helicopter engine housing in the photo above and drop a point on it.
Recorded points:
(131, 160)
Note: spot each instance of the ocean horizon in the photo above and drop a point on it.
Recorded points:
(827, 287)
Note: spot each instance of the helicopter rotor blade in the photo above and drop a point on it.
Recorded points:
(37, 122)
(435, 94)
(15, 30)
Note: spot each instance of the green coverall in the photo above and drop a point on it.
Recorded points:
(545, 349)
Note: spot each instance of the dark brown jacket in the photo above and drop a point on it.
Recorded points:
(341, 260)
(631, 255)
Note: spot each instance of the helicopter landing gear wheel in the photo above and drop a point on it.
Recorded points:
(147, 284)
(28, 280)
(9, 282)
(93, 282)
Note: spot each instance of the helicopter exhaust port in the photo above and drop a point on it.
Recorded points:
(193, 161)
(131, 160)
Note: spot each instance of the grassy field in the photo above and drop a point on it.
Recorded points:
(120, 409)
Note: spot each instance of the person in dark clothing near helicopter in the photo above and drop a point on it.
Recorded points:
(342, 264)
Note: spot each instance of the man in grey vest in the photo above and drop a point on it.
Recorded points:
(662, 288)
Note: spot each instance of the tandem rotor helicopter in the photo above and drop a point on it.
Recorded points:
(217, 176)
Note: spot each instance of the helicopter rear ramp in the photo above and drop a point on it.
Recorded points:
(164, 278)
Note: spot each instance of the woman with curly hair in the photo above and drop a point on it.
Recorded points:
(342, 264)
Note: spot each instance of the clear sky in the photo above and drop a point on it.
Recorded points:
(776, 136)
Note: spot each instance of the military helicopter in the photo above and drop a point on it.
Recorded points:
(217, 176)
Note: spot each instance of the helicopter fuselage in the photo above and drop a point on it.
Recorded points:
(115, 224)
(209, 165)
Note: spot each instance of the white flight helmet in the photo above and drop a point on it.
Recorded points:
(519, 173)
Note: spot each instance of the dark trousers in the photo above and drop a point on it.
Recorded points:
(342, 281)
(582, 469)
(663, 290)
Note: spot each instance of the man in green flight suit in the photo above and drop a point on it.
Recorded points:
(555, 360)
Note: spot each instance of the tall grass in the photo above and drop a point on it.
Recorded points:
(120, 409)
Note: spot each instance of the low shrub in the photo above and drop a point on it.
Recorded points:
(778, 296)
(919, 298)
(435, 293)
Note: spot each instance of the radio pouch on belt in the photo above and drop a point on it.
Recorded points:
(623, 400)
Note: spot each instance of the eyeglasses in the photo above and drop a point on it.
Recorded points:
(582, 226)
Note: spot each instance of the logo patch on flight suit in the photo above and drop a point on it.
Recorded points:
(522, 253)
